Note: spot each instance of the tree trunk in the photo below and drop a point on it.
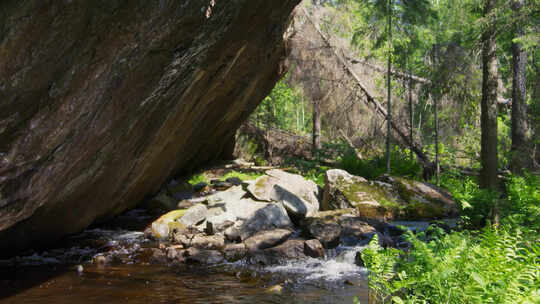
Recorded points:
(389, 80)
(488, 155)
(535, 115)
(436, 98)
(437, 165)
(521, 151)
(316, 126)
(303, 121)
(411, 113)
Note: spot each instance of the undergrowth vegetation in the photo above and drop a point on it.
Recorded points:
(496, 264)
(400, 164)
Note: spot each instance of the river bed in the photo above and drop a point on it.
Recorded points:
(66, 274)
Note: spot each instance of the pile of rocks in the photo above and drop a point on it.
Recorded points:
(278, 217)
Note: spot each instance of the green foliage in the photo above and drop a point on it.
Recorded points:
(524, 195)
(493, 265)
(496, 266)
(521, 206)
(241, 175)
(475, 203)
(198, 178)
(400, 164)
(283, 109)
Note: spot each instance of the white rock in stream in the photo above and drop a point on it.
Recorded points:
(298, 195)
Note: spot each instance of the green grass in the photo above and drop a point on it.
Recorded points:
(198, 178)
(201, 177)
(241, 175)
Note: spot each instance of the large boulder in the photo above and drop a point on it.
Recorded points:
(249, 216)
(102, 101)
(423, 200)
(269, 217)
(387, 198)
(343, 190)
(298, 195)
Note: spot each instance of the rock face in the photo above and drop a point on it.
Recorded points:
(102, 101)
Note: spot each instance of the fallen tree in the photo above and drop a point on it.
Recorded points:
(417, 148)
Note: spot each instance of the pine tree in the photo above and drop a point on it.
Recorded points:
(488, 118)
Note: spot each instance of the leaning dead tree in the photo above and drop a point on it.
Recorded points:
(395, 73)
(370, 99)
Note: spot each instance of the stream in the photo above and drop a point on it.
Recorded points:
(67, 274)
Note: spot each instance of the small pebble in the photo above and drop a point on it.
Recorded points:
(100, 260)
(80, 269)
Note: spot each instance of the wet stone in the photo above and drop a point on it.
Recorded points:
(234, 181)
(183, 238)
(212, 228)
(358, 259)
(158, 256)
(200, 256)
(327, 233)
(199, 187)
(290, 250)
(355, 230)
(314, 248)
(235, 252)
(213, 242)
(173, 251)
(220, 185)
(233, 234)
(267, 239)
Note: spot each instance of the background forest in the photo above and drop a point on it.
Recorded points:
(445, 90)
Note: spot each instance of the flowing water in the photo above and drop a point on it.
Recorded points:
(67, 275)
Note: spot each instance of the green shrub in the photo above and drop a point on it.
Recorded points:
(520, 207)
(524, 197)
(496, 266)
(400, 165)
